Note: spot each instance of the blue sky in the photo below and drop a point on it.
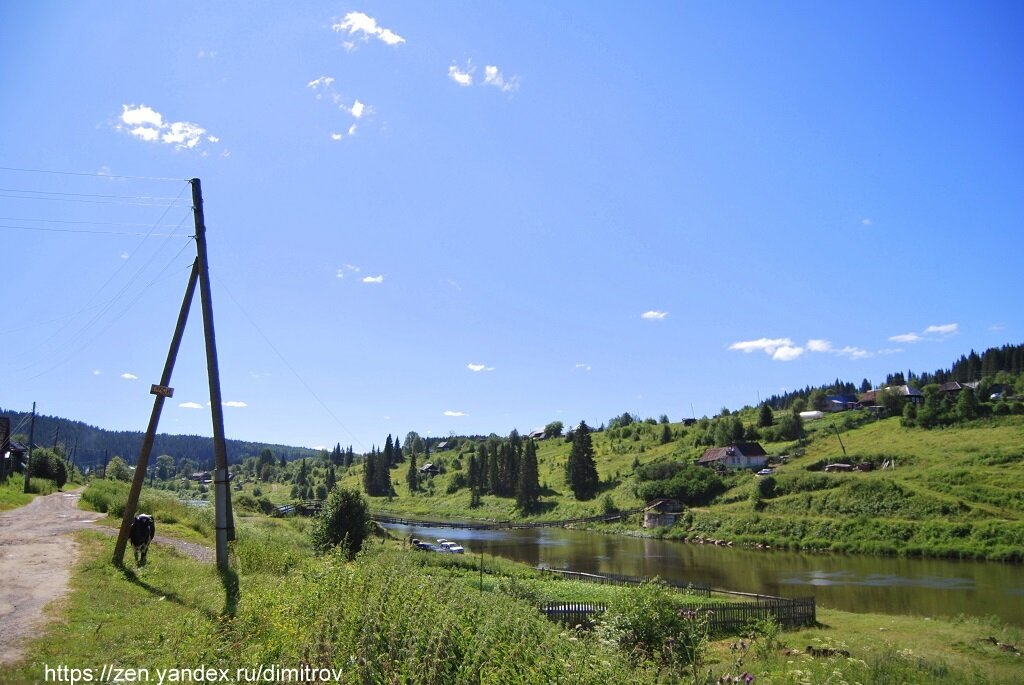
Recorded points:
(473, 217)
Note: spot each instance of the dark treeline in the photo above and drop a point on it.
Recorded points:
(1008, 360)
(88, 445)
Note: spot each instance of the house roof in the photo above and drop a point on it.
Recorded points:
(744, 449)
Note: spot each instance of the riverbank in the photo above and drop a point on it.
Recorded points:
(953, 493)
(398, 615)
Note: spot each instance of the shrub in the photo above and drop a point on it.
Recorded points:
(344, 521)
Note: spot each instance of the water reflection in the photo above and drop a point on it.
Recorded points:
(864, 584)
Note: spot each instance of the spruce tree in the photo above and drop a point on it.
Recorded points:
(412, 477)
(369, 473)
(581, 469)
(528, 488)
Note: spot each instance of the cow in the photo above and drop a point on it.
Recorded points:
(141, 534)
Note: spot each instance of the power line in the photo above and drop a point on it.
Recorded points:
(289, 366)
(86, 223)
(71, 340)
(94, 175)
(88, 232)
(82, 201)
(116, 197)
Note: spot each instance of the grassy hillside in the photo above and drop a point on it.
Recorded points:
(955, 491)
(396, 615)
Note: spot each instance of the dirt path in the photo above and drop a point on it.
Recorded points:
(36, 556)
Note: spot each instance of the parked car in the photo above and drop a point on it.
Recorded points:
(452, 547)
(765, 472)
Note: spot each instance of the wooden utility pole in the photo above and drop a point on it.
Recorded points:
(161, 392)
(222, 499)
(31, 439)
(225, 527)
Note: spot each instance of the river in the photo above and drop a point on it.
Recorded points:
(886, 585)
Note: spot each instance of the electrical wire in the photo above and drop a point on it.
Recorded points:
(84, 223)
(88, 232)
(115, 197)
(81, 201)
(73, 339)
(94, 175)
(289, 366)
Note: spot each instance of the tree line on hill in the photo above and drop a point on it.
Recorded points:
(996, 365)
(89, 447)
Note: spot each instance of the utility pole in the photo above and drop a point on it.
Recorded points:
(225, 525)
(31, 439)
(161, 392)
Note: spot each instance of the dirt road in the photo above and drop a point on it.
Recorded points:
(36, 554)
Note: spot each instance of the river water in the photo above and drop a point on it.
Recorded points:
(885, 585)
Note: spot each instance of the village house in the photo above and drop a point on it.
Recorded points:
(739, 455)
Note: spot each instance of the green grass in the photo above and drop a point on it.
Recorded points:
(955, 492)
(12, 492)
(396, 615)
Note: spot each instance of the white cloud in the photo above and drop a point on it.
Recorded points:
(97, 372)
(449, 412)
(654, 315)
(463, 78)
(129, 376)
(583, 367)
(190, 405)
(352, 130)
(146, 133)
(865, 222)
(357, 22)
(819, 346)
(357, 109)
(493, 77)
(996, 327)
(147, 124)
(373, 279)
(767, 345)
(336, 136)
(322, 81)
(943, 329)
(125, 255)
(934, 332)
(183, 134)
(476, 368)
(347, 268)
(234, 403)
(787, 353)
(142, 116)
(853, 352)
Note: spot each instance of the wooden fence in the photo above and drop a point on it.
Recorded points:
(700, 589)
(722, 618)
(730, 618)
(573, 613)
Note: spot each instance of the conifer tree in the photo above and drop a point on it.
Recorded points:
(369, 473)
(528, 488)
(581, 469)
(412, 477)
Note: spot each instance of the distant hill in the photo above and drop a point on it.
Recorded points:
(88, 445)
